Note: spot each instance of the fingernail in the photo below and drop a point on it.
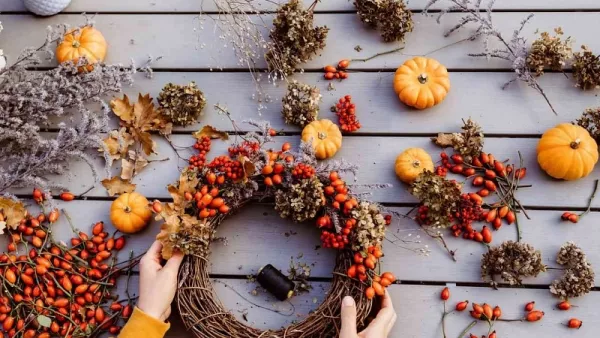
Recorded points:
(348, 301)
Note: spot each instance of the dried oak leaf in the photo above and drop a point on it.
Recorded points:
(133, 166)
(249, 167)
(13, 211)
(117, 186)
(117, 144)
(211, 132)
(188, 181)
(123, 109)
(445, 140)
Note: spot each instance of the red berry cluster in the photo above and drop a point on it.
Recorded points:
(346, 112)
(232, 169)
(203, 146)
(330, 239)
(245, 149)
(302, 171)
(571, 217)
(332, 72)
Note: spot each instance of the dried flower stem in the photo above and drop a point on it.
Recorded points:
(590, 199)
(467, 329)
(378, 54)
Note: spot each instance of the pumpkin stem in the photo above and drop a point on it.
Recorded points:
(422, 78)
(127, 209)
(76, 44)
(575, 144)
(416, 163)
(322, 135)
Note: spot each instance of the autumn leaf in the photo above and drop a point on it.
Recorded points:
(147, 118)
(123, 109)
(13, 212)
(446, 140)
(117, 186)
(148, 144)
(211, 132)
(117, 144)
(249, 167)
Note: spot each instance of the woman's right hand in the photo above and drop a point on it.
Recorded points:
(380, 327)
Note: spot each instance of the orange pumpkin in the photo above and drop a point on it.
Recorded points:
(412, 162)
(421, 82)
(567, 152)
(325, 136)
(86, 42)
(130, 213)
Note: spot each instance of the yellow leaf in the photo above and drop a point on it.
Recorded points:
(117, 186)
(122, 108)
(249, 167)
(211, 132)
(13, 212)
(148, 144)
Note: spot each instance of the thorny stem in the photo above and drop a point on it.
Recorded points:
(590, 199)
(378, 54)
(469, 327)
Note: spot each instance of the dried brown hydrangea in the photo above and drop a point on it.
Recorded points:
(549, 52)
(300, 104)
(294, 40)
(586, 69)
(512, 261)
(181, 104)
(302, 201)
(578, 278)
(370, 226)
(469, 143)
(391, 17)
(439, 195)
(590, 120)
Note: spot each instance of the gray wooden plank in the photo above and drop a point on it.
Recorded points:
(149, 6)
(375, 158)
(515, 110)
(258, 236)
(183, 44)
(419, 310)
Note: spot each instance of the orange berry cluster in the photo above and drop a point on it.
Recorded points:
(337, 73)
(337, 191)
(364, 263)
(302, 171)
(71, 287)
(207, 199)
(330, 239)
(567, 216)
(247, 148)
(203, 146)
(346, 112)
(273, 170)
(232, 169)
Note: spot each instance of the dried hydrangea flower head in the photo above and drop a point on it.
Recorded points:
(578, 278)
(300, 104)
(181, 104)
(512, 261)
(294, 40)
(370, 226)
(391, 17)
(469, 143)
(439, 195)
(586, 69)
(301, 201)
(590, 120)
(549, 52)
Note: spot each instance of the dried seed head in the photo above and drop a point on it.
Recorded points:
(391, 17)
(586, 69)
(549, 52)
(181, 104)
(578, 278)
(512, 261)
(300, 104)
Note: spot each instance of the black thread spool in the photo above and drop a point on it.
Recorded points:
(275, 282)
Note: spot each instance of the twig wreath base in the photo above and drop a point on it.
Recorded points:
(302, 189)
(203, 313)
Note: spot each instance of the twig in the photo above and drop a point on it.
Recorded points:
(590, 199)
(469, 327)
(378, 54)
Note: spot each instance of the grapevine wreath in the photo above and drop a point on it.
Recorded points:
(301, 189)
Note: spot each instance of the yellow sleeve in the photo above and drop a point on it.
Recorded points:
(143, 325)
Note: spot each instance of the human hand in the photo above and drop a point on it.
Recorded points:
(158, 283)
(380, 327)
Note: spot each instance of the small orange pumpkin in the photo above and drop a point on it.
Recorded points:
(87, 41)
(421, 82)
(412, 162)
(130, 213)
(325, 136)
(567, 152)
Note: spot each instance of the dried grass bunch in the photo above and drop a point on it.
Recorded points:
(391, 17)
(31, 101)
(300, 104)
(514, 50)
(294, 39)
(578, 278)
(586, 69)
(512, 261)
(549, 52)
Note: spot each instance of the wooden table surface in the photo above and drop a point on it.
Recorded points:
(513, 120)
